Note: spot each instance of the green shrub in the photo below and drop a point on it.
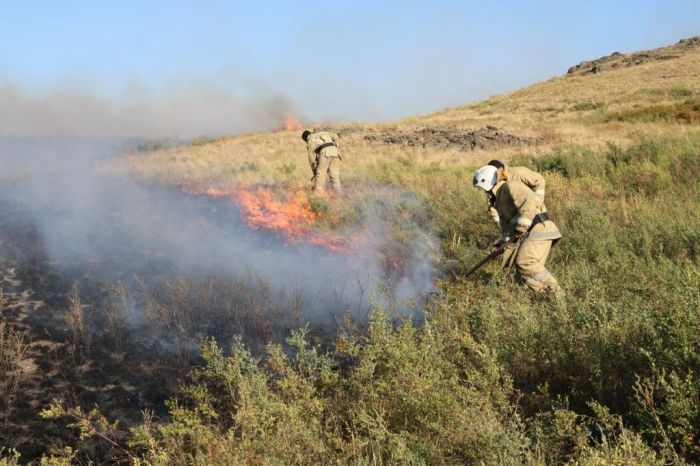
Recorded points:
(287, 168)
(670, 92)
(201, 141)
(645, 151)
(687, 112)
(406, 395)
(586, 106)
(153, 145)
(567, 161)
(319, 205)
(249, 167)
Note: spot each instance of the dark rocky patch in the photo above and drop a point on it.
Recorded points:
(343, 131)
(450, 138)
(624, 60)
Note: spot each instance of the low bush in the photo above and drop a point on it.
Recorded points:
(586, 106)
(687, 112)
(396, 394)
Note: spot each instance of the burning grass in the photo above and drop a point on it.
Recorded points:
(291, 123)
(291, 214)
(383, 230)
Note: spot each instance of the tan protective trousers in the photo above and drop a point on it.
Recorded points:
(529, 262)
(327, 166)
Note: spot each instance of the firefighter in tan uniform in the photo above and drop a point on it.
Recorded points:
(324, 158)
(522, 212)
(531, 179)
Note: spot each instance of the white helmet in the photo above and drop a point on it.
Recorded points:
(485, 178)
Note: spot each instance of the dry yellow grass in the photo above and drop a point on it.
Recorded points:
(565, 110)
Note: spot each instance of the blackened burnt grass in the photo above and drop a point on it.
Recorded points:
(609, 375)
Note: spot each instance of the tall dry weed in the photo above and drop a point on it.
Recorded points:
(13, 349)
(117, 317)
(80, 335)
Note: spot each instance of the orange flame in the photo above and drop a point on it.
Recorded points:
(289, 215)
(290, 123)
(293, 217)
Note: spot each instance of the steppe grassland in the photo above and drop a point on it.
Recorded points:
(566, 110)
(609, 375)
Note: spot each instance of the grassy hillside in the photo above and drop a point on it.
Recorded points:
(613, 106)
(495, 375)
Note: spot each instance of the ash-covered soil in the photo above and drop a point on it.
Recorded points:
(86, 362)
(623, 60)
(488, 137)
(119, 332)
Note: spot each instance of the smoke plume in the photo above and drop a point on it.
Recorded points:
(91, 219)
(183, 110)
(55, 147)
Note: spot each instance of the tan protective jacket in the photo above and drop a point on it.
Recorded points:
(317, 139)
(531, 179)
(517, 205)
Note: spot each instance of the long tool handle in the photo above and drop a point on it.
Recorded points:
(495, 253)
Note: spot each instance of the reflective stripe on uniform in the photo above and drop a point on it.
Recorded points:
(538, 277)
(544, 235)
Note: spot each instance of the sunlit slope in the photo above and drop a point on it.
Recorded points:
(580, 107)
(626, 96)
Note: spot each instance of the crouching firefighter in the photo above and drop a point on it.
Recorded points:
(526, 230)
(324, 158)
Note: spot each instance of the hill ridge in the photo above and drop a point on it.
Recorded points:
(620, 60)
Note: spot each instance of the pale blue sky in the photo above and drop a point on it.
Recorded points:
(362, 60)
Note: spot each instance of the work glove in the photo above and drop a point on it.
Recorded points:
(499, 242)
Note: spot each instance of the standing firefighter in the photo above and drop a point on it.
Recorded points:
(531, 179)
(521, 216)
(324, 158)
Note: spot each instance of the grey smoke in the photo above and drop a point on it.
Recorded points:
(185, 109)
(88, 217)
